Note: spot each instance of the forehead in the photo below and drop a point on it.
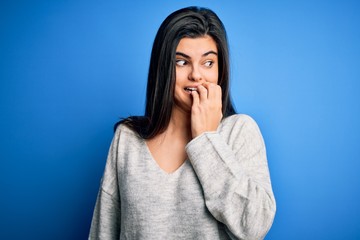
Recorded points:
(199, 45)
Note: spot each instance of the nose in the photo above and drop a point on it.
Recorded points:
(195, 74)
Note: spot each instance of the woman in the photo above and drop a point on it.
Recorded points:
(190, 168)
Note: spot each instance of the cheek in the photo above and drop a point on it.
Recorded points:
(213, 76)
(180, 76)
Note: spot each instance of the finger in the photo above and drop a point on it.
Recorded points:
(196, 98)
(203, 92)
(211, 88)
(218, 92)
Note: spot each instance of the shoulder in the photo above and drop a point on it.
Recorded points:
(239, 120)
(122, 128)
(240, 126)
(125, 136)
(136, 125)
(126, 145)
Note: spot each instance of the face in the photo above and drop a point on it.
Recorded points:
(196, 63)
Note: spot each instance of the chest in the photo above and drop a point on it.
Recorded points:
(148, 193)
(168, 155)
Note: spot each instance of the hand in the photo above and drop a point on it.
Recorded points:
(206, 110)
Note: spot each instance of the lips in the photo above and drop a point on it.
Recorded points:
(190, 89)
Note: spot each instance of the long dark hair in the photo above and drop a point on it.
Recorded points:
(190, 22)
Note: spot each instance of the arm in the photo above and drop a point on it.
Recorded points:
(106, 218)
(233, 171)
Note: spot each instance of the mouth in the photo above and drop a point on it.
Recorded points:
(190, 89)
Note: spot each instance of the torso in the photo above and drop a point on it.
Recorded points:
(156, 204)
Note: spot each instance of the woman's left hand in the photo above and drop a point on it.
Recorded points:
(206, 110)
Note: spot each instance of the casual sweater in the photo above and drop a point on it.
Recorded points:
(222, 191)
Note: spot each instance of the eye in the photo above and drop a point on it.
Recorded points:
(180, 62)
(208, 63)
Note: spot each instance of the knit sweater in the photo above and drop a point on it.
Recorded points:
(222, 191)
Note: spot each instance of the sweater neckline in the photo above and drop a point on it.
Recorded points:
(155, 165)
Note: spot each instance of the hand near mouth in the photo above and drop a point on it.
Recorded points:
(206, 110)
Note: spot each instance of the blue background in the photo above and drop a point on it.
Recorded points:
(70, 69)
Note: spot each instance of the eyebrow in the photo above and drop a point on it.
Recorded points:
(204, 55)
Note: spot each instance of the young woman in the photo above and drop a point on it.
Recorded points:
(190, 168)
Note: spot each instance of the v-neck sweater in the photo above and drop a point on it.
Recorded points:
(222, 191)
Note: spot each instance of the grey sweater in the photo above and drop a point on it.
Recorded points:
(223, 190)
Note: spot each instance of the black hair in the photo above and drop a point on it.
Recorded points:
(190, 22)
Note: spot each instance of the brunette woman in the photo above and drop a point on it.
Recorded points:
(190, 168)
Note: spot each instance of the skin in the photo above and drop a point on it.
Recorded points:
(194, 112)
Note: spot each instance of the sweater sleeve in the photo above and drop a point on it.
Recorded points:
(106, 217)
(233, 171)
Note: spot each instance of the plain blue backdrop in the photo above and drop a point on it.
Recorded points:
(70, 69)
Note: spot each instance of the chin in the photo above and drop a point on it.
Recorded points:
(183, 106)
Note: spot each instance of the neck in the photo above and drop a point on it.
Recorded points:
(180, 124)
